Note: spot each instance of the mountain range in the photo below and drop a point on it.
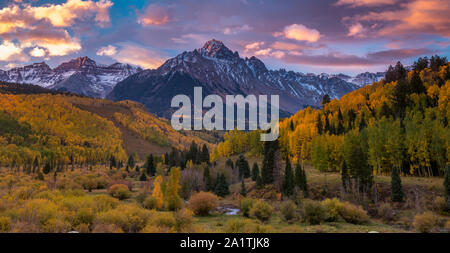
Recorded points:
(82, 76)
(214, 67)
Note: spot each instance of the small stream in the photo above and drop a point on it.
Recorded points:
(228, 210)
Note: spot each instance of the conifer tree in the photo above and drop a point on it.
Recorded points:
(268, 163)
(345, 176)
(131, 162)
(417, 84)
(259, 182)
(243, 190)
(205, 154)
(143, 177)
(396, 187)
(243, 167)
(288, 182)
(255, 172)
(319, 125)
(151, 169)
(221, 188)
(209, 185)
(112, 162)
(47, 168)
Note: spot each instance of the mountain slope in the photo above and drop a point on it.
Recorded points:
(60, 127)
(82, 76)
(220, 71)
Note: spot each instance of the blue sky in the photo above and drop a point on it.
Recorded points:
(348, 36)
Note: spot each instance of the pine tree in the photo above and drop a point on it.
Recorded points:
(205, 154)
(396, 187)
(288, 182)
(221, 188)
(319, 125)
(35, 164)
(229, 163)
(143, 177)
(243, 190)
(304, 183)
(243, 167)
(325, 100)
(362, 123)
(420, 64)
(417, 84)
(268, 164)
(193, 153)
(131, 162)
(345, 176)
(209, 185)
(255, 172)
(151, 169)
(340, 128)
(447, 186)
(291, 125)
(327, 124)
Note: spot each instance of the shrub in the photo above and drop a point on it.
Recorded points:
(5, 224)
(163, 219)
(440, 205)
(56, 225)
(184, 220)
(261, 210)
(83, 216)
(203, 202)
(314, 212)
(345, 210)
(354, 214)
(385, 212)
(119, 191)
(104, 203)
(288, 211)
(246, 205)
(150, 203)
(425, 222)
(130, 218)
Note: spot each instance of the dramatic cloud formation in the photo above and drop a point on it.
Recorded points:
(10, 52)
(137, 55)
(356, 30)
(43, 28)
(154, 15)
(107, 51)
(418, 16)
(300, 32)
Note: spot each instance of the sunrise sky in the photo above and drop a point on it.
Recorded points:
(333, 36)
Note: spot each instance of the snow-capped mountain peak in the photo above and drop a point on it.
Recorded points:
(81, 75)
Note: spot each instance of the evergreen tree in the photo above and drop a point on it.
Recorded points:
(420, 64)
(229, 163)
(151, 169)
(400, 97)
(340, 128)
(243, 167)
(447, 186)
(327, 124)
(319, 125)
(417, 84)
(268, 164)
(209, 185)
(389, 76)
(243, 190)
(205, 154)
(325, 100)
(351, 118)
(345, 176)
(436, 61)
(221, 188)
(193, 153)
(131, 162)
(127, 168)
(396, 187)
(288, 182)
(291, 125)
(255, 172)
(143, 177)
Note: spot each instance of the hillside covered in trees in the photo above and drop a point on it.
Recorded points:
(40, 127)
(400, 122)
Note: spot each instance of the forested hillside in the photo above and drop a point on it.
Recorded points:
(399, 122)
(62, 130)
